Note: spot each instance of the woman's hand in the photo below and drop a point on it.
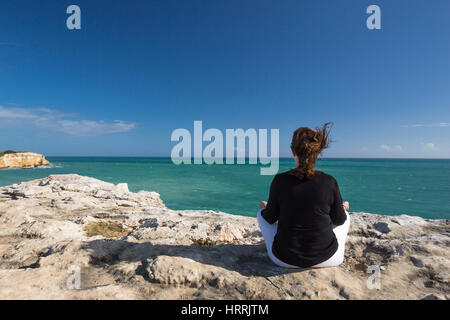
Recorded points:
(262, 204)
(346, 205)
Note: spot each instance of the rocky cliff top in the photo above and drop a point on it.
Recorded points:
(16, 159)
(124, 245)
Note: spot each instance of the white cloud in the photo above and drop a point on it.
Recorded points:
(16, 113)
(428, 146)
(54, 120)
(84, 128)
(435, 124)
(389, 148)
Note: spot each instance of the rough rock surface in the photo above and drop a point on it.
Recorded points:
(22, 160)
(51, 237)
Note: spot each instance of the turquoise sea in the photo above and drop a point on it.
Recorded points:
(383, 186)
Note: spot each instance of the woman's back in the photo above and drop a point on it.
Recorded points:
(306, 210)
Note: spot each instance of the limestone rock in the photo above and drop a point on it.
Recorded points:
(140, 249)
(22, 160)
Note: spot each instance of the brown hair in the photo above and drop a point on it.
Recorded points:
(307, 144)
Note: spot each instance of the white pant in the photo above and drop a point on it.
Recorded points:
(269, 230)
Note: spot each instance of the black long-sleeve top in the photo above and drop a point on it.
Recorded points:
(306, 210)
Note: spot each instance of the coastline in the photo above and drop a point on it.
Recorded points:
(417, 188)
(131, 246)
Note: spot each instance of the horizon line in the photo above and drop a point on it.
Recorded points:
(246, 158)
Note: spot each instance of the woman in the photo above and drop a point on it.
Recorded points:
(305, 223)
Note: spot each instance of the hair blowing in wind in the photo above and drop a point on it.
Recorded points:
(307, 144)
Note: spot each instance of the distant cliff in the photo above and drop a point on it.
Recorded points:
(15, 159)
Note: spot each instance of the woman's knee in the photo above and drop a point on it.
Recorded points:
(259, 218)
(258, 214)
(340, 255)
(339, 261)
(263, 224)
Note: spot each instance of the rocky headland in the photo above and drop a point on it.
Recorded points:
(74, 237)
(14, 159)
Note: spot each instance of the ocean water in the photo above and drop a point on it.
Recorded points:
(383, 186)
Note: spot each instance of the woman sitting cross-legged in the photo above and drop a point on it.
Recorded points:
(305, 223)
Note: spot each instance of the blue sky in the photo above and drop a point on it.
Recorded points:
(137, 70)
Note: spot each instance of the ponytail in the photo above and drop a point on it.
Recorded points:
(307, 144)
